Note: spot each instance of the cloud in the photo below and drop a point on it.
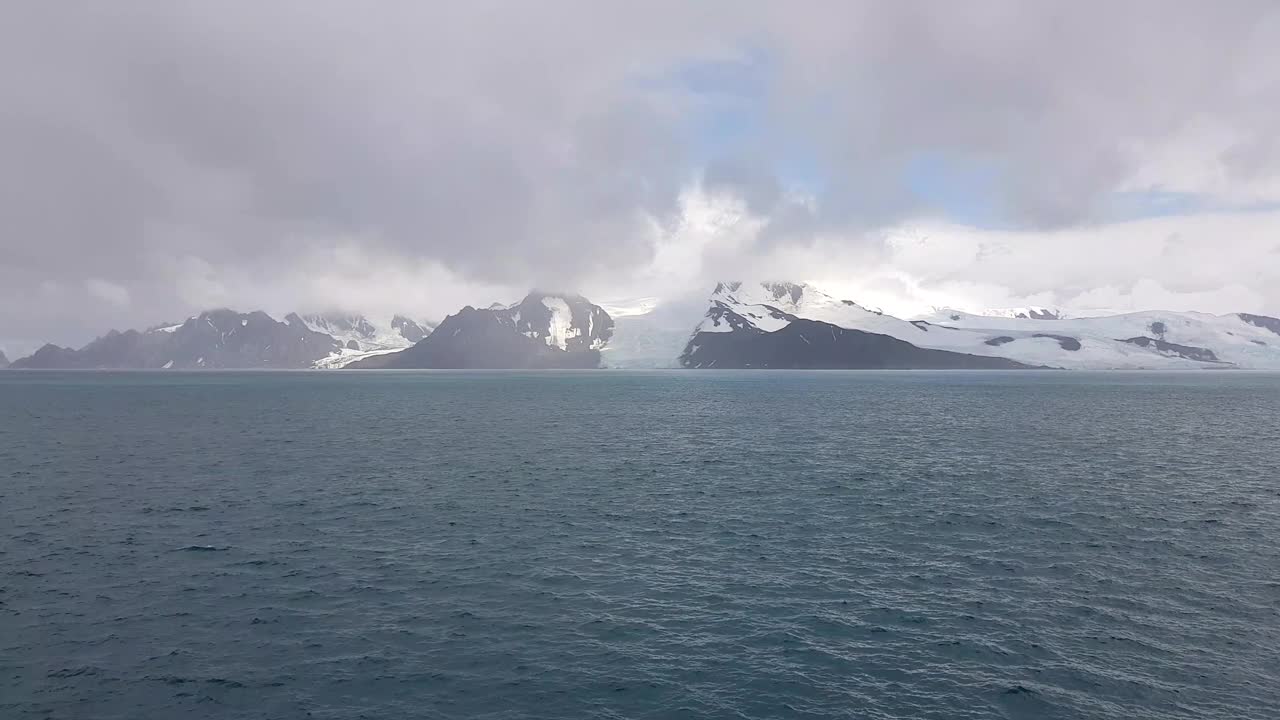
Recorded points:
(301, 153)
(108, 292)
(1213, 262)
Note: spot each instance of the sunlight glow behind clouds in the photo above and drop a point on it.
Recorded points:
(167, 156)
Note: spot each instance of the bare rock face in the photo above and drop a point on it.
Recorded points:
(1262, 321)
(408, 329)
(809, 344)
(214, 339)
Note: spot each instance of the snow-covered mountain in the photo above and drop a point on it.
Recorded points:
(1030, 312)
(741, 325)
(213, 339)
(568, 322)
(791, 325)
(231, 340)
(796, 325)
(358, 337)
(1141, 340)
(544, 330)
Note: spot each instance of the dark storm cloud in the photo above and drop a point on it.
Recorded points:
(443, 134)
(501, 140)
(154, 150)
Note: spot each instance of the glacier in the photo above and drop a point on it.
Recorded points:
(655, 336)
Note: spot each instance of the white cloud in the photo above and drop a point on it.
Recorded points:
(1213, 262)
(170, 156)
(108, 291)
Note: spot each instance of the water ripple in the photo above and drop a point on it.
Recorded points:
(640, 545)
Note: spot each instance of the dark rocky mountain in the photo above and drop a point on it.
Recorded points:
(408, 329)
(1262, 321)
(1197, 354)
(782, 325)
(343, 328)
(785, 325)
(4, 361)
(541, 331)
(214, 339)
(809, 344)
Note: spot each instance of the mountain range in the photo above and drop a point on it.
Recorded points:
(795, 325)
(226, 339)
(775, 325)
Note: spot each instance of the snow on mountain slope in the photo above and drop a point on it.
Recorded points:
(343, 357)
(560, 324)
(566, 322)
(359, 337)
(343, 328)
(1031, 312)
(542, 331)
(765, 306)
(1148, 340)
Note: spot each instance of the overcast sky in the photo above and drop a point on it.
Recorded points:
(163, 157)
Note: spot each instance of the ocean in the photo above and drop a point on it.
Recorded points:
(639, 545)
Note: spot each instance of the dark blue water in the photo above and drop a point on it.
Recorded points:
(630, 545)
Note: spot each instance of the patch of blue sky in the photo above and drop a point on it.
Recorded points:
(730, 118)
(956, 188)
(1139, 204)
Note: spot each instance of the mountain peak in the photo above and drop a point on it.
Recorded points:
(777, 291)
(408, 329)
(1030, 312)
(565, 321)
(543, 330)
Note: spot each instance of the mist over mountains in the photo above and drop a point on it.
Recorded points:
(751, 325)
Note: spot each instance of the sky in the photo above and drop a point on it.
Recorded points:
(161, 157)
